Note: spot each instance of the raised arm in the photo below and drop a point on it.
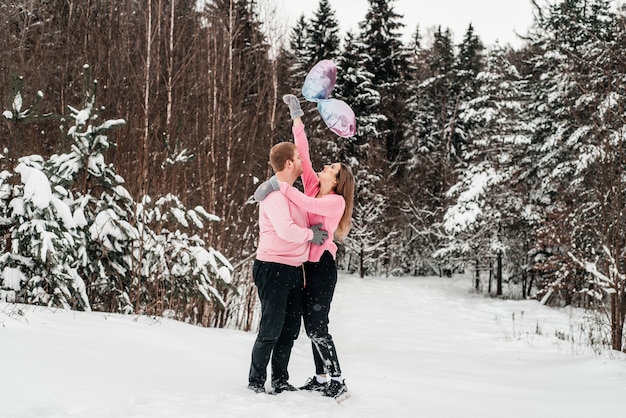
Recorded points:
(309, 176)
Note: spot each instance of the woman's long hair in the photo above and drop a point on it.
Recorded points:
(345, 188)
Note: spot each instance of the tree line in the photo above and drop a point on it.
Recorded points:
(467, 157)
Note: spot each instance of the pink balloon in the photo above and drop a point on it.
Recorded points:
(320, 81)
(338, 116)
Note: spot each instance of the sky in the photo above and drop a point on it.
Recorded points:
(492, 19)
(408, 347)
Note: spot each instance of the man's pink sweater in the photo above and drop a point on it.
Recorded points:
(284, 231)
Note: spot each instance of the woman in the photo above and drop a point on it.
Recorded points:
(328, 199)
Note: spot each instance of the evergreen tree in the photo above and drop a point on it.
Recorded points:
(363, 152)
(425, 153)
(40, 264)
(366, 251)
(355, 87)
(383, 55)
(39, 260)
(78, 240)
(431, 107)
(421, 208)
(486, 199)
(297, 55)
(105, 220)
(387, 59)
(469, 62)
(322, 42)
(577, 150)
(323, 39)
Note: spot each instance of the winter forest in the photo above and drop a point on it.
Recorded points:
(134, 134)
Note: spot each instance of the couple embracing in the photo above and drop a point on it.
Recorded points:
(295, 270)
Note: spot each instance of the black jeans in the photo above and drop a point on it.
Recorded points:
(321, 279)
(280, 293)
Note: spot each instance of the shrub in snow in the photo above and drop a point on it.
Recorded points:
(40, 265)
(94, 247)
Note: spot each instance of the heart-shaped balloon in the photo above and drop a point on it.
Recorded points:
(335, 113)
(320, 81)
(338, 116)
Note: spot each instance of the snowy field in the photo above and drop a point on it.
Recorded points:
(409, 347)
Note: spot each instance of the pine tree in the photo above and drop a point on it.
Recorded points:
(425, 154)
(487, 202)
(323, 39)
(364, 153)
(382, 54)
(297, 56)
(105, 219)
(366, 251)
(78, 240)
(421, 208)
(355, 87)
(577, 149)
(322, 42)
(431, 109)
(39, 260)
(40, 266)
(180, 274)
(380, 41)
(469, 62)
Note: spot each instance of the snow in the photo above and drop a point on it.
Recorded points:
(81, 116)
(63, 212)
(409, 347)
(107, 224)
(18, 102)
(79, 218)
(36, 185)
(12, 278)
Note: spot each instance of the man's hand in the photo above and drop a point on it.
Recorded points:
(319, 235)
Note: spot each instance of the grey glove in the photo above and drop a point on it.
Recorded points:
(319, 235)
(266, 188)
(294, 106)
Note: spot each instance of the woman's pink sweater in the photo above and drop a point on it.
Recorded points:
(326, 210)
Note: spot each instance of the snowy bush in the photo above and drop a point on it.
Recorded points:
(93, 246)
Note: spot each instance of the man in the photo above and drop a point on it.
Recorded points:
(284, 240)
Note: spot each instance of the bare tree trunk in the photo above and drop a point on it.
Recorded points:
(170, 71)
(499, 274)
(477, 279)
(490, 276)
(144, 161)
(616, 327)
(231, 31)
(622, 316)
(362, 263)
(146, 104)
(213, 72)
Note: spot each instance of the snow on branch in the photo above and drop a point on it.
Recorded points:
(609, 283)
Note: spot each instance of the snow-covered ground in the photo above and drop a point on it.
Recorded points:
(409, 347)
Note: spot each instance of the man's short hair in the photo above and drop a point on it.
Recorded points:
(280, 154)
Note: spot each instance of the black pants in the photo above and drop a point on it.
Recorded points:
(321, 279)
(280, 292)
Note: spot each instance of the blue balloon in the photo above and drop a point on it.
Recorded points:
(320, 81)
